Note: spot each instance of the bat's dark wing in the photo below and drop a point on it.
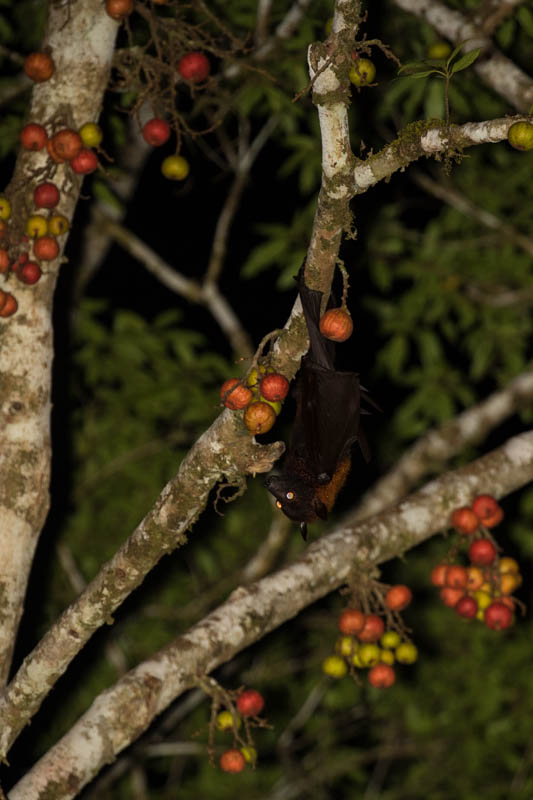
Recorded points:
(328, 402)
(321, 351)
(327, 420)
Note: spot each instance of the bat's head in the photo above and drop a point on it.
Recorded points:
(295, 498)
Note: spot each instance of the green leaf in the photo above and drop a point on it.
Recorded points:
(419, 69)
(465, 61)
(506, 33)
(105, 195)
(455, 52)
(525, 18)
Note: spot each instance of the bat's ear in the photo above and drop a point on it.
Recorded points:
(320, 509)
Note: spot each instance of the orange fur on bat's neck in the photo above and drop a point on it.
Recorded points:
(328, 493)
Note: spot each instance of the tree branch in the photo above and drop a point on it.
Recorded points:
(120, 714)
(225, 450)
(82, 49)
(427, 139)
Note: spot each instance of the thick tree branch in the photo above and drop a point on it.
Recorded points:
(329, 65)
(119, 715)
(82, 47)
(429, 138)
(225, 450)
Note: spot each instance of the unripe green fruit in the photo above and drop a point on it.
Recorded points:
(520, 135)
(346, 646)
(5, 208)
(334, 667)
(369, 654)
(363, 72)
(175, 168)
(406, 653)
(250, 754)
(91, 134)
(390, 639)
(226, 722)
(357, 662)
(439, 50)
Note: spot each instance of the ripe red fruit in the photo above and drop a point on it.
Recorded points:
(250, 703)
(119, 9)
(52, 153)
(466, 607)
(194, 67)
(4, 261)
(33, 136)
(259, 417)
(372, 630)
(336, 324)
(465, 520)
(488, 510)
(351, 621)
(9, 305)
(450, 597)
(398, 597)
(46, 248)
(274, 387)
(86, 161)
(156, 132)
(39, 67)
(498, 616)
(29, 273)
(234, 395)
(456, 577)
(66, 144)
(46, 195)
(438, 574)
(482, 552)
(232, 761)
(381, 676)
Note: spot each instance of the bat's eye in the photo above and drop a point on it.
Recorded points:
(278, 504)
(290, 495)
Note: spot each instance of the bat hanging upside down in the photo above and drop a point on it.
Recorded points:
(328, 409)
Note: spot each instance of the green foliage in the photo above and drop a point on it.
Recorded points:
(450, 277)
(144, 391)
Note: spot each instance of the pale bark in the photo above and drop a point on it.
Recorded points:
(82, 48)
